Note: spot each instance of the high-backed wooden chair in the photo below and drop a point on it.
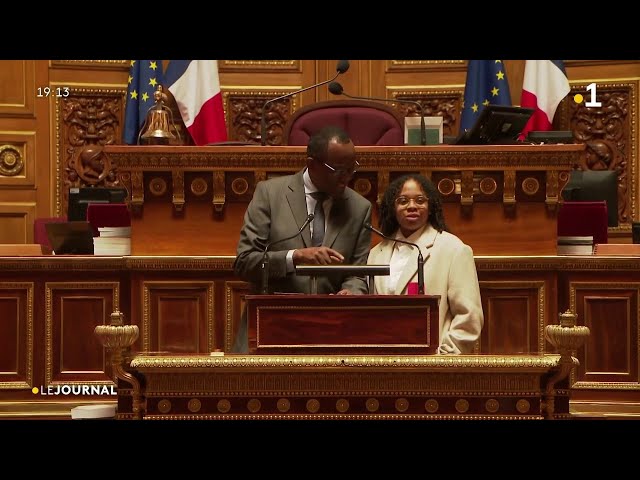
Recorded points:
(366, 122)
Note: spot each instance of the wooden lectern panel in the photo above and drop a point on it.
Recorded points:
(313, 324)
(500, 199)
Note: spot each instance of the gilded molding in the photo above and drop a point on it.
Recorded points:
(49, 287)
(573, 288)
(371, 158)
(426, 62)
(304, 362)
(486, 263)
(146, 263)
(287, 65)
(368, 382)
(147, 286)
(540, 306)
(229, 288)
(424, 91)
(425, 65)
(98, 64)
(28, 350)
(53, 263)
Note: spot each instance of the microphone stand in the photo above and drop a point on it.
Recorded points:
(265, 272)
(343, 66)
(370, 227)
(420, 272)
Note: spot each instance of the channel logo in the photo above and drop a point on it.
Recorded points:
(75, 390)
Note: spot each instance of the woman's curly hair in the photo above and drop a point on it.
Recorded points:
(388, 222)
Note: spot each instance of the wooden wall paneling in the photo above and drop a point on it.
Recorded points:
(16, 332)
(178, 316)
(73, 310)
(16, 222)
(18, 88)
(611, 311)
(514, 315)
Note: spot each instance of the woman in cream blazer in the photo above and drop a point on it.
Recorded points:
(411, 210)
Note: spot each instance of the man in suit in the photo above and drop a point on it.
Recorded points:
(279, 208)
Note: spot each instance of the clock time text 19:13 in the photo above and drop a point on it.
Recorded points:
(55, 92)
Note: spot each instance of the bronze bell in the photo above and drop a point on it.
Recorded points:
(157, 126)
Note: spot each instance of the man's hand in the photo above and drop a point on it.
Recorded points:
(344, 291)
(317, 256)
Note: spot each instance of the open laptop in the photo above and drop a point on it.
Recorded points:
(70, 238)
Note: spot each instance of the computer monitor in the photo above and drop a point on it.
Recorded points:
(497, 124)
(594, 185)
(70, 238)
(81, 197)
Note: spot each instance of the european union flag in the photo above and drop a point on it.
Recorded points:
(144, 78)
(486, 84)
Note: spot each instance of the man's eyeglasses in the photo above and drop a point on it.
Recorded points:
(420, 201)
(342, 172)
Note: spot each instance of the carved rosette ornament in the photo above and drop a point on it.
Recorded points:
(11, 162)
(117, 338)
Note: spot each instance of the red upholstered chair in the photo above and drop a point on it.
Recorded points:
(584, 219)
(366, 122)
(40, 232)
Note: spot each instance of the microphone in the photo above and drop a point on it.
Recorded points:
(342, 67)
(336, 89)
(369, 227)
(265, 258)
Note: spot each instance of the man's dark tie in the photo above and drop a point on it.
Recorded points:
(318, 219)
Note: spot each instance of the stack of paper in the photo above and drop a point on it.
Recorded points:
(113, 241)
(575, 245)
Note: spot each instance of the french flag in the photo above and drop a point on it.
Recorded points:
(545, 85)
(196, 87)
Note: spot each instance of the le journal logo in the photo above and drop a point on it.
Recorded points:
(75, 390)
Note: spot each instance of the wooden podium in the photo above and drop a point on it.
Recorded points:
(343, 324)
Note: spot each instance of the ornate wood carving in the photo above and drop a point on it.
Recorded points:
(219, 190)
(435, 103)
(86, 120)
(177, 177)
(244, 113)
(610, 134)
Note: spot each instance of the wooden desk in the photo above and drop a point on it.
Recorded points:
(332, 324)
(501, 200)
(338, 387)
(191, 304)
